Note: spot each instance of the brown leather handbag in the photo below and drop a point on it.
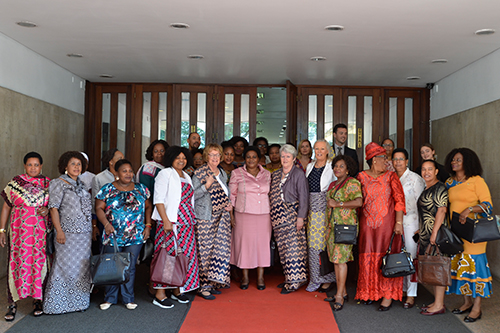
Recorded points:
(434, 269)
(169, 269)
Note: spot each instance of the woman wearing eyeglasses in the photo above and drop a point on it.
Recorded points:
(381, 215)
(388, 145)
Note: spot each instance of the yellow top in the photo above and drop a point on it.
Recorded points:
(464, 195)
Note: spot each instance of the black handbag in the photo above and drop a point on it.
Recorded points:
(50, 238)
(110, 268)
(147, 250)
(397, 264)
(478, 230)
(325, 265)
(448, 242)
(345, 234)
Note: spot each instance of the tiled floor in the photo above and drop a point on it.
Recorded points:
(488, 324)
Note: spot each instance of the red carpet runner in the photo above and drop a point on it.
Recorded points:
(253, 310)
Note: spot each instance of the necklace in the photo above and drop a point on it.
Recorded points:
(461, 180)
(124, 188)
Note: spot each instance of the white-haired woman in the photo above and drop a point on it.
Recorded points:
(289, 199)
(319, 175)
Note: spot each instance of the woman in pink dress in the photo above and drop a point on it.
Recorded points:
(26, 198)
(249, 188)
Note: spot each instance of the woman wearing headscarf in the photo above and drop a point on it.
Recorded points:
(26, 198)
(381, 215)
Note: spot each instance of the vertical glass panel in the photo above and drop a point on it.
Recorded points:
(162, 116)
(245, 116)
(313, 120)
(352, 138)
(228, 116)
(329, 119)
(122, 121)
(393, 119)
(185, 130)
(146, 123)
(271, 114)
(201, 121)
(409, 129)
(367, 124)
(106, 120)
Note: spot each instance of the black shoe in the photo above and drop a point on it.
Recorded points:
(368, 302)
(164, 304)
(215, 292)
(281, 285)
(208, 297)
(469, 319)
(261, 287)
(325, 290)
(181, 298)
(244, 286)
(458, 311)
(11, 315)
(384, 308)
(37, 308)
(285, 291)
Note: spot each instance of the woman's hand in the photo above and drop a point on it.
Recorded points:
(209, 181)
(42, 211)
(146, 233)
(167, 226)
(398, 228)
(108, 228)
(332, 203)
(433, 238)
(463, 216)
(300, 223)
(229, 207)
(2, 239)
(60, 237)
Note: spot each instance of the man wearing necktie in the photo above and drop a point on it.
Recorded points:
(339, 143)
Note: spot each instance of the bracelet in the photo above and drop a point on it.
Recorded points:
(399, 222)
(148, 225)
(94, 226)
(3, 231)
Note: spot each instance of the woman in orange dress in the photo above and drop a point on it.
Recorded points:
(380, 216)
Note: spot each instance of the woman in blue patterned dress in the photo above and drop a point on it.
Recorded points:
(122, 207)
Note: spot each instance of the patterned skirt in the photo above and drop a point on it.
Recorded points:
(68, 286)
(316, 233)
(213, 239)
(470, 276)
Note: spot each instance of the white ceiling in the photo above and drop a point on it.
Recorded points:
(257, 42)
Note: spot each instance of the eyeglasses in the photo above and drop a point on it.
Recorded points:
(458, 160)
(385, 145)
(399, 159)
(214, 155)
(382, 156)
(262, 146)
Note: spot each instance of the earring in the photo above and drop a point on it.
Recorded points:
(66, 172)
(41, 171)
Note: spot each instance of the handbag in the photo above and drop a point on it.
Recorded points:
(146, 250)
(414, 276)
(448, 242)
(110, 268)
(397, 264)
(325, 265)
(344, 233)
(477, 230)
(434, 269)
(50, 237)
(169, 269)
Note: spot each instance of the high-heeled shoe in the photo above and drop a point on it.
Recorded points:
(458, 311)
(427, 313)
(469, 319)
(384, 308)
(244, 286)
(346, 298)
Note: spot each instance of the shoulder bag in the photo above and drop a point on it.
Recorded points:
(448, 242)
(344, 233)
(169, 269)
(434, 269)
(477, 230)
(110, 268)
(397, 264)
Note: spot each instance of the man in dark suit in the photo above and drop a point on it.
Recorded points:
(339, 144)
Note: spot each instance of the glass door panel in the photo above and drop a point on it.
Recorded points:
(106, 121)
(245, 117)
(228, 116)
(162, 116)
(271, 114)
(122, 123)
(237, 109)
(201, 117)
(312, 121)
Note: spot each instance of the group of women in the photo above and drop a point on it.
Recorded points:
(226, 214)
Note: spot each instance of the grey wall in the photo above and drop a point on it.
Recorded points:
(28, 124)
(478, 129)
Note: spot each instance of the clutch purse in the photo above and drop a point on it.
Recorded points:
(110, 268)
(169, 269)
(397, 264)
(478, 230)
(434, 269)
(448, 242)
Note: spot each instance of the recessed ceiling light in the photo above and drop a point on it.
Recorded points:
(318, 58)
(179, 25)
(334, 27)
(74, 55)
(26, 24)
(413, 78)
(195, 56)
(482, 32)
(439, 61)
(106, 76)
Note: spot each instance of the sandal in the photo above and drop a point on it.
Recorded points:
(37, 308)
(11, 315)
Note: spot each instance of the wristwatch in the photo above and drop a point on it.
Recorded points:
(341, 204)
(470, 208)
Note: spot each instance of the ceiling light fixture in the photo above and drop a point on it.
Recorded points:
(27, 24)
(74, 55)
(413, 78)
(483, 32)
(334, 27)
(439, 61)
(106, 76)
(318, 58)
(196, 56)
(179, 25)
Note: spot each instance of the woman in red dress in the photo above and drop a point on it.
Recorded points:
(381, 215)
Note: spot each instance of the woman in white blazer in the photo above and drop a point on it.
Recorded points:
(175, 217)
(319, 175)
